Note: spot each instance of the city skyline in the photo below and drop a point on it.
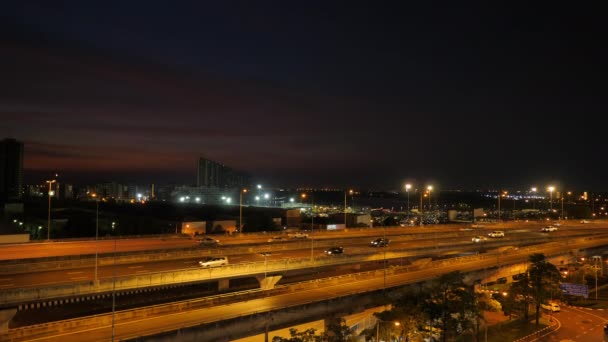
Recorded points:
(464, 97)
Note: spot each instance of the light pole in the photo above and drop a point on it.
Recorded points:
(96, 236)
(430, 188)
(562, 206)
(500, 194)
(551, 189)
(312, 225)
(407, 190)
(533, 190)
(50, 194)
(350, 192)
(241, 210)
(421, 215)
(378, 328)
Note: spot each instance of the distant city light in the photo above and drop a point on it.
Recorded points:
(198, 199)
(266, 196)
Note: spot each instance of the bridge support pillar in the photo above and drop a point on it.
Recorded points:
(5, 316)
(223, 284)
(268, 283)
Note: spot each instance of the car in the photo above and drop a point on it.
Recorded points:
(380, 242)
(496, 234)
(277, 239)
(214, 262)
(585, 221)
(298, 235)
(334, 250)
(208, 241)
(478, 238)
(548, 229)
(553, 307)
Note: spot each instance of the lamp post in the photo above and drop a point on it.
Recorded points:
(562, 206)
(551, 189)
(378, 327)
(533, 190)
(407, 190)
(96, 236)
(350, 192)
(430, 188)
(241, 210)
(500, 194)
(312, 225)
(50, 194)
(421, 215)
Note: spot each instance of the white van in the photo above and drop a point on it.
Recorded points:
(214, 262)
(553, 307)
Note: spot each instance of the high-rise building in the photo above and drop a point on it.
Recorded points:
(213, 174)
(11, 169)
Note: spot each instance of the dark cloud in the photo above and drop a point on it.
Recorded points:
(310, 93)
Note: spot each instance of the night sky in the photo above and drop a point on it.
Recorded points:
(309, 93)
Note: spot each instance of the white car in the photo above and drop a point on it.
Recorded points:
(553, 307)
(478, 238)
(496, 234)
(214, 262)
(298, 235)
(585, 221)
(548, 229)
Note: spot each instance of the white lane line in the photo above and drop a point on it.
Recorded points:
(135, 266)
(6, 279)
(79, 278)
(79, 272)
(6, 285)
(141, 271)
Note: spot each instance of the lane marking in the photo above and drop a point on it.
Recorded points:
(79, 278)
(6, 285)
(79, 272)
(6, 279)
(135, 266)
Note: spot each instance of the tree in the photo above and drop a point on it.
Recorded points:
(308, 335)
(338, 331)
(544, 280)
(519, 297)
(452, 304)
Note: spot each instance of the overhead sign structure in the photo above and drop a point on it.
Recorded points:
(575, 289)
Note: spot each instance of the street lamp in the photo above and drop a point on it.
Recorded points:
(350, 192)
(533, 190)
(421, 215)
(407, 190)
(51, 193)
(378, 328)
(500, 194)
(430, 188)
(241, 209)
(551, 189)
(96, 235)
(312, 225)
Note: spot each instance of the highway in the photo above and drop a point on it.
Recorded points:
(354, 243)
(401, 239)
(124, 329)
(457, 236)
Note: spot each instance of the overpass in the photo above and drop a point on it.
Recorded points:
(248, 312)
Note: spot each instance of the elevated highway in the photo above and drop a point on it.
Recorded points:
(435, 243)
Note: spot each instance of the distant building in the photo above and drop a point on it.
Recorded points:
(213, 174)
(11, 169)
